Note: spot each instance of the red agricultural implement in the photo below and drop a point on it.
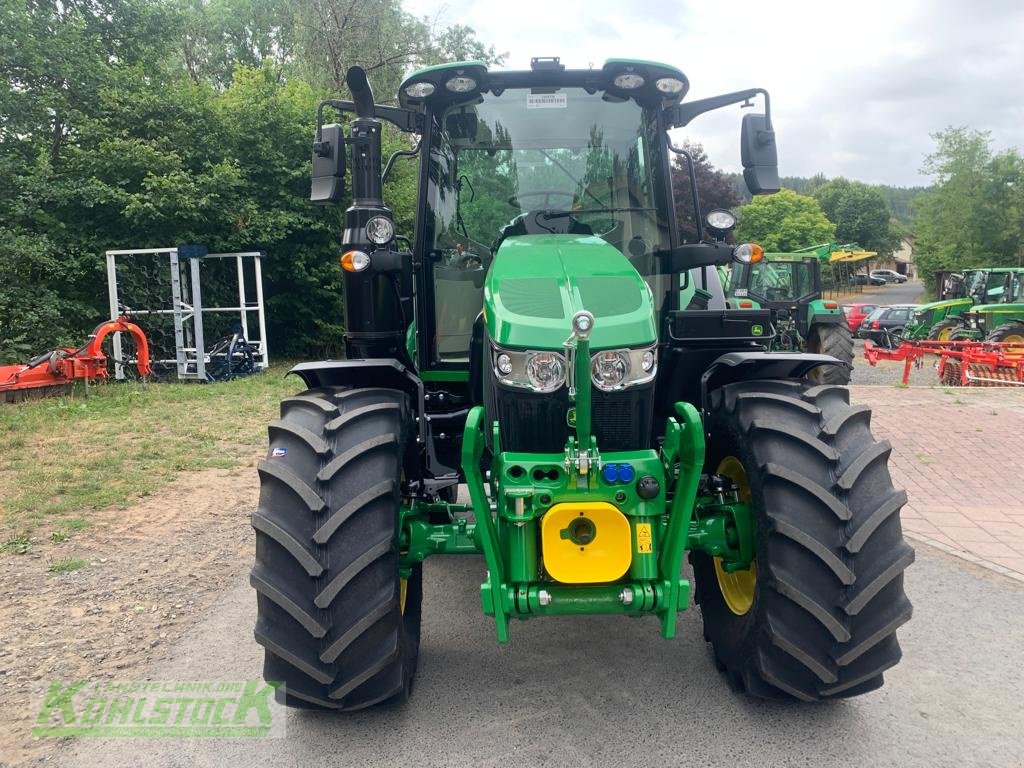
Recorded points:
(55, 371)
(960, 363)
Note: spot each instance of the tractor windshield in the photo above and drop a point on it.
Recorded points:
(560, 161)
(777, 281)
(541, 161)
(988, 287)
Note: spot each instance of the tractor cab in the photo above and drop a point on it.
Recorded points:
(791, 289)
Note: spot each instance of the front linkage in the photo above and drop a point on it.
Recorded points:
(581, 532)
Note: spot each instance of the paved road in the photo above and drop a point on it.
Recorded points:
(951, 448)
(894, 293)
(608, 691)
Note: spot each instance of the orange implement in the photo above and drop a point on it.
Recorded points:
(61, 367)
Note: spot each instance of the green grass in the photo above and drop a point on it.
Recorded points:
(18, 545)
(67, 565)
(66, 457)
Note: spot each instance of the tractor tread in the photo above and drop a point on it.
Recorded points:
(880, 450)
(787, 589)
(318, 445)
(311, 669)
(326, 596)
(850, 655)
(806, 657)
(874, 674)
(885, 510)
(331, 653)
(314, 401)
(776, 399)
(855, 412)
(816, 490)
(312, 500)
(807, 541)
(784, 428)
(863, 596)
(309, 622)
(343, 689)
(340, 515)
(829, 595)
(349, 416)
(291, 544)
(336, 464)
(770, 676)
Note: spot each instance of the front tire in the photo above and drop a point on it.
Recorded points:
(1009, 332)
(943, 330)
(827, 594)
(338, 626)
(835, 340)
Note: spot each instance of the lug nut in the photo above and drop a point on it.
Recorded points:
(544, 597)
(626, 596)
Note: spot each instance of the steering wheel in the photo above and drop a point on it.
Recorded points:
(545, 193)
(468, 260)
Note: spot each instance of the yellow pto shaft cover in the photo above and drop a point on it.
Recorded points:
(585, 542)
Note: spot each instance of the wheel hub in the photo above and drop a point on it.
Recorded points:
(738, 587)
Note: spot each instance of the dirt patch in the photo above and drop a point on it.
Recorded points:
(149, 572)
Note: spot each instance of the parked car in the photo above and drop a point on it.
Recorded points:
(856, 312)
(889, 275)
(885, 324)
(861, 279)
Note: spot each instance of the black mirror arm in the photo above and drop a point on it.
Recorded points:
(681, 115)
(403, 119)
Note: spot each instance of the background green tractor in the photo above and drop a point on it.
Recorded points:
(791, 287)
(547, 340)
(997, 295)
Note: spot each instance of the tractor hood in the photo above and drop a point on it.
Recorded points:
(944, 304)
(538, 282)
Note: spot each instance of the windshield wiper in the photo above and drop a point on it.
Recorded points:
(550, 214)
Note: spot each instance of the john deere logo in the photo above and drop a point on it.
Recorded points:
(757, 330)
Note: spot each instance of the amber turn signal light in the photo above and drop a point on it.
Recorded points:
(354, 261)
(748, 253)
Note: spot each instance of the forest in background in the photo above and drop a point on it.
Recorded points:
(151, 123)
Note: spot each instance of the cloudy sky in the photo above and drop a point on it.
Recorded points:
(857, 86)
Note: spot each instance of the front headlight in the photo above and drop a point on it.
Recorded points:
(545, 371)
(614, 369)
(538, 371)
(609, 369)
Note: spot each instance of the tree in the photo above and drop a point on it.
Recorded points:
(134, 123)
(714, 189)
(784, 222)
(859, 213)
(974, 215)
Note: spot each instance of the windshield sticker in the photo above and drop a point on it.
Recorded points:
(546, 101)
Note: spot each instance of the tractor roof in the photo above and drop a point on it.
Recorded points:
(434, 88)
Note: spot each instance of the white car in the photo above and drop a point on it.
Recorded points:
(889, 275)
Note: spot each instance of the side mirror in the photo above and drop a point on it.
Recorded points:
(759, 155)
(689, 256)
(329, 166)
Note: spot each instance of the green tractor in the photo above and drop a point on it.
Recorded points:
(790, 285)
(974, 304)
(546, 339)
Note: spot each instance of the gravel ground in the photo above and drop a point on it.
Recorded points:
(889, 372)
